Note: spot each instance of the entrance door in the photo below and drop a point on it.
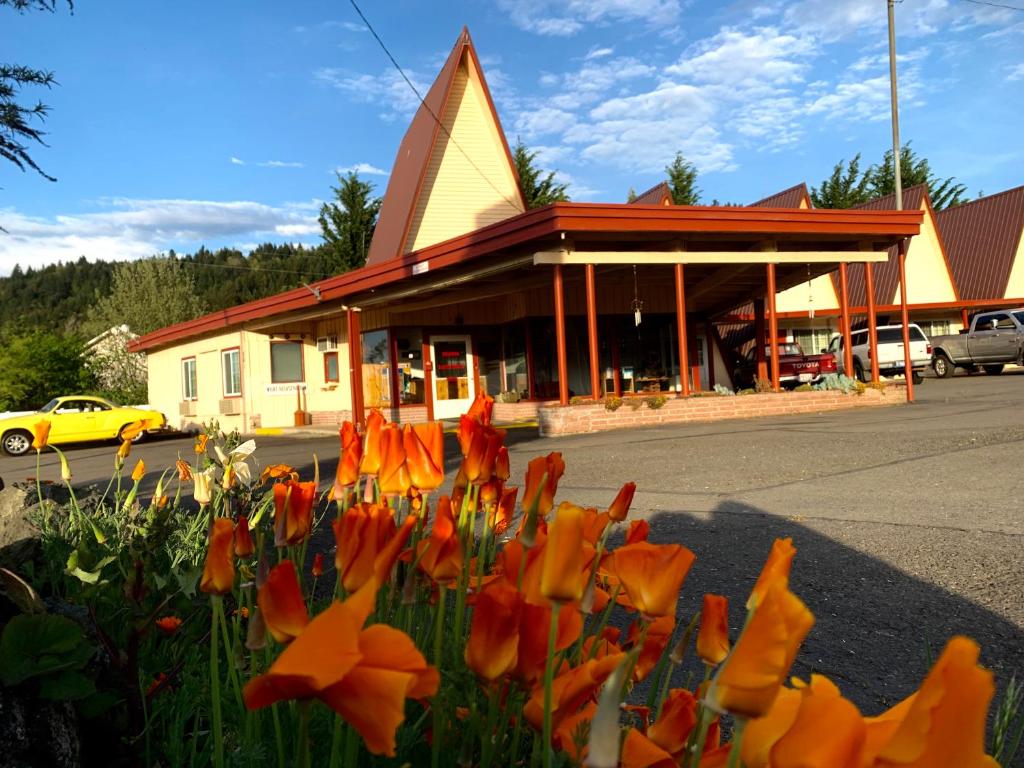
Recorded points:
(454, 388)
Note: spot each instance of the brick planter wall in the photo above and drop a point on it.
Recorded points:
(329, 418)
(521, 411)
(575, 419)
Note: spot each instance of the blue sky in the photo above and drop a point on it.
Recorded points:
(181, 124)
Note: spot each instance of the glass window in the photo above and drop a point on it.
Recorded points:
(514, 353)
(376, 369)
(1020, 317)
(331, 366)
(286, 362)
(409, 366)
(231, 372)
(189, 390)
(1003, 322)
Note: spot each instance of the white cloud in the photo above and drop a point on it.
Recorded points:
(236, 161)
(280, 164)
(131, 229)
(598, 53)
(388, 89)
(759, 58)
(563, 18)
(363, 168)
(350, 26)
(1016, 72)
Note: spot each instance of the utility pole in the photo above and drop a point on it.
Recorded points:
(908, 371)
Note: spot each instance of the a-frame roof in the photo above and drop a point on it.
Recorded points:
(422, 150)
(794, 197)
(659, 194)
(982, 238)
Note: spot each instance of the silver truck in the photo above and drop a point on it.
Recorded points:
(993, 340)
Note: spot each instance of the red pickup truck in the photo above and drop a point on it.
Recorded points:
(795, 368)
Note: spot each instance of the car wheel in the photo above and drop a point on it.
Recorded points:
(994, 370)
(943, 367)
(17, 443)
(858, 371)
(916, 377)
(137, 439)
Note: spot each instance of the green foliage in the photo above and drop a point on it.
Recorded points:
(845, 188)
(840, 382)
(631, 195)
(347, 224)
(682, 178)
(538, 189)
(38, 366)
(56, 296)
(50, 650)
(655, 401)
(1008, 726)
(612, 403)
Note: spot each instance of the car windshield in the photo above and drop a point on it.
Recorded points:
(1019, 315)
(49, 406)
(785, 349)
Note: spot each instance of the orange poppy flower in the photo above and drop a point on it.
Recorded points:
(184, 470)
(348, 463)
(659, 632)
(168, 624)
(278, 472)
(489, 493)
(750, 678)
(440, 554)
(364, 675)
(678, 718)
(563, 578)
(140, 470)
(552, 467)
(713, 637)
(281, 603)
(124, 449)
(638, 531)
(776, 567)
(620, 506)
(570, 690)
(369, 464)
(481, 409)
(485, 443)
(502, 467)
(200, 446)
(393, 474)
(160, 682)
(293, 511)
(361, 533)
(424, 454)
(944, 722)
(534, 625)
(594, 524)
(40, 434)
(828, 732)
(763, 732)
(638, 751)
(134, 429)
(505, 511)
(244, 546)
(219, 568)
(494, 634)
(652, 575)
(318, 565)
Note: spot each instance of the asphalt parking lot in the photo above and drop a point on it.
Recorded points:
(908, 520)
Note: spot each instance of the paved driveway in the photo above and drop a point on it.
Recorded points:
(908, 520)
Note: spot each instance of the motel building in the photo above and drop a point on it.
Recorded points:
(466, 291)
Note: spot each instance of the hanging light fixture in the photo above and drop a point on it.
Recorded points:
(810, 295)
(638, 305)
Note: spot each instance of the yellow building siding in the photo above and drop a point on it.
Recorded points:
(928, 278)
(1015, 285)
(460, 193)
(820, 295)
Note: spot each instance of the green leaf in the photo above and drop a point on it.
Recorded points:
(39, 645)
(97, 704)
(66, 686)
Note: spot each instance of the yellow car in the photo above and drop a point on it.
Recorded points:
(76, 419)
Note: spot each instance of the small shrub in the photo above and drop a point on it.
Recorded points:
(804, 388)
(655, 401)
(762, 386)
(747, 391)
(612, 403)
(707, 393)
(580, 400)
(635, 403)
(509, 397)
(721, 389)
(840, 382)
(881, 386)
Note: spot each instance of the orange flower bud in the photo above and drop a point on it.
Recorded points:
(485, 442)
(502, 468)
(40, 434)
(184, 470)
(348, 463)
(776, 568)
(200, 446)
(140, 471)
(293, 511)
(505, 511)
(713, 637)
(620, 506)
(243, 538)
(281, 604)
(652, 575)
(393, 475)
(219, 568)
(494, 635)
(552, 467)
(481, 408)
(424, 454)
(749, 680)
(440, 554)
(563, 578)
(318, 565)
(124, 449)
(370, 462)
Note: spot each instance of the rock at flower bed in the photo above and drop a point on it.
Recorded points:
(19, 537)
(37, 733)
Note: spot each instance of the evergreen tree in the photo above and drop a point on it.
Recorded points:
(347, 224)
(914, 170)
(682, 178)
(538, 189)
(631, 195)
(845, 188)
(39, 365)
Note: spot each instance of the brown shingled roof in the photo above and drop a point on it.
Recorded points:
(787, 198)
(981, 239)
(659, 194)
(414, 153)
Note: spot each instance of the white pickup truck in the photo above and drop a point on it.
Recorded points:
(993, 340)
(890, 352)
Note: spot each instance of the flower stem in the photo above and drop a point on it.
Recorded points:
(703, 722)
(737, 740)
(302, 751)
(218, 730)
(549, 676)
(435, 747)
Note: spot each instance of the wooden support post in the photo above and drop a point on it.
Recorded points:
(844, 312)
(684, 351)
(563, 366)
(965, 321)
(908, 371)
(869, 286)
(595, 360)
(760, 339)
(773, 327)
(355, 361)
(428, 378)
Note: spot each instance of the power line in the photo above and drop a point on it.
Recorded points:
(995, 5)
(423, 103)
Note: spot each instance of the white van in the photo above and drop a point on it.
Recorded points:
(890, 352)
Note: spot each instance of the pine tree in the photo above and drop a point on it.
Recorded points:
(914, 170)
(347, 224)
(845, 188)
(682, 178)
(538, 189)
